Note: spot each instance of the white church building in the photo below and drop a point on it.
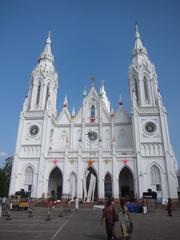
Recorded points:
(95, 152)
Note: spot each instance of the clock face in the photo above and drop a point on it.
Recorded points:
(34, 129)
(150, 127)
(92, 135)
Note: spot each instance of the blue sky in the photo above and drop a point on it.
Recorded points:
(92, 37)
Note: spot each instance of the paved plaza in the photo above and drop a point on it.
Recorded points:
(86, 225)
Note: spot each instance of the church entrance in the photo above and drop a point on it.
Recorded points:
(126, 184)
(90, 185)
(55, 184)
(108, 186)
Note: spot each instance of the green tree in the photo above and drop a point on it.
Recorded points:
(3, 184)
(5, 176)
(8, 168)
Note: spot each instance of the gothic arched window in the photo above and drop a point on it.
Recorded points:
(136, 89)
(92, 111)
(155, 175)
(146, 93)
(38, 93)
(47, 95)
(29, 176)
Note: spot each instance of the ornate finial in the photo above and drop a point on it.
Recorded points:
(49, 37)
(137, 34)
(93, 78)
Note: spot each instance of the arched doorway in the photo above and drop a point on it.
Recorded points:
(156, 179)
(28, 184)
(55, 183)
(108, 186)
(126, 184)
(90, 185)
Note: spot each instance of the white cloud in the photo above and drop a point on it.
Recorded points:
(3, 154)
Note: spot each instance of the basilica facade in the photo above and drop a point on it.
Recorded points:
(95, 152)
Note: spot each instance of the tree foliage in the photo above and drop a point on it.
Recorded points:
(5, 176)
(3, 183)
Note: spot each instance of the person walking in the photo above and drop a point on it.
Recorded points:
(124, 219)
(76, 201)
(169, 207)
(108, 215)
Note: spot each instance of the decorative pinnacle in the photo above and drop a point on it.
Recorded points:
(73, 112)
(137, 34)
(65, 104)
(100, 92)
(120, 102)
(47, 53)
(84, 92)
(49, 37)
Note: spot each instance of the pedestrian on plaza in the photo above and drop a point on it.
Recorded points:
(109, 217)
(125, 220)
(30, 205)
(7, 207)
(76, 201)
(169, 207)
(3, 205)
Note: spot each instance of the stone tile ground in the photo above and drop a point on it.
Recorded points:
(85, 225)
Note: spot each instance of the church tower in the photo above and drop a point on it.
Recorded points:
(155, 161)
(35, 127)
(43, 84)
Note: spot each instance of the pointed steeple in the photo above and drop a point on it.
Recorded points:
(47, 53)
(138, 47)
(142, 75)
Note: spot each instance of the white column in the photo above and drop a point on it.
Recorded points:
(115, 180)
(79, 176)
(65, 174)
(100, 177)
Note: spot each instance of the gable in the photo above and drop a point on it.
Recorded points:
(122, 116)
(64, 117)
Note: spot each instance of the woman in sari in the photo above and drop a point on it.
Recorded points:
(124, 219)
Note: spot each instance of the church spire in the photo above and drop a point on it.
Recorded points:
(44, 81)
(138, 47)
(142, 75)
(47, 53)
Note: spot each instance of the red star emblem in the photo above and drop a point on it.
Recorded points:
(125, 161)
(90, 163)
(55, 161)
